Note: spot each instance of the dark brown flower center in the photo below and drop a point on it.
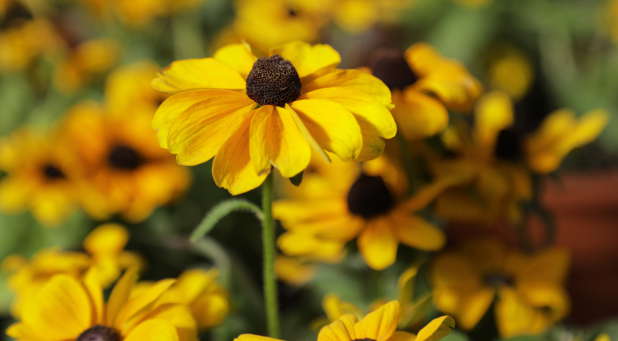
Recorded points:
(124, 157)
(508, 145)
(273, 81)
(292, 13)
(369, 197)
(498, 279)
(390, 65)
(16, 14)
(99, 333)
(52, 172)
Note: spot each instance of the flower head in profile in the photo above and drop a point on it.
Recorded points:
(41, 176)
(528, 289)
(343, 201)
(251, 113)
(197, 289)
(104, 251)
(127, 170)
(425, 86)
(379, 325)
(69, 308)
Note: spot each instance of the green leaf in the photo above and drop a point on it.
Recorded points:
(219, 212)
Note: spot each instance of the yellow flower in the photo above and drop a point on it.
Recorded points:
(269, 24)
(68, 308)
(85, 61)
(129, 86)
(198, 290)
(493, 182)
(42, 176)
(341, 202)
(104, 252)
(251, 114)
(559, 134)
(425, 85)
(510, 72)
(379, 325)
(529, 288)
(129, 172)
(23, 37)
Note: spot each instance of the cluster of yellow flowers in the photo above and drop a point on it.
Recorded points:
(384, 155)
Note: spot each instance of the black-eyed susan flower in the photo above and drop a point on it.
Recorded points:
(83, 62)
(23, 38)
(528, 289)
(104, 251)
(342, 201)
(69, 308)
(197, 289)
(253, 113)
(379, 325)
(424, 85)
(494, 157)
(42, 176)
(127, 170)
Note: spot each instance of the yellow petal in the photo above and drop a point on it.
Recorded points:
(61, 302)
(232, 168)
(373, 144)
(339, 330)
(416, 232)
(402, 336)
(418, 115)
(333, 127)
(473, 307)
(252, 337)
(205, 73)
(106, 239)
(276, 139)
(293, 270)
(138, 302)
(359, 92)
(237, 56)
(493, 114)
(436, 329)
(210, 309)
(92, 284)
(378, 244)
(155, 330)
(406, 284)
(307, 58)
(335, 307)
(513, 316)
(120, 295)
(179, 316)
(380, 324)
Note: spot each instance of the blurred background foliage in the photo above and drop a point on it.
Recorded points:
(574, 64)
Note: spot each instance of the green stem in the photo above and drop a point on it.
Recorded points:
(268, 245)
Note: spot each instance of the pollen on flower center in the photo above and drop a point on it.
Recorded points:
(52, 172)
(273, 81)
(498, 279)
(99, 333)
(124, 157)
(391, 67)
(369, 197)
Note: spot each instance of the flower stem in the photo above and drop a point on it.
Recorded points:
(268, 245)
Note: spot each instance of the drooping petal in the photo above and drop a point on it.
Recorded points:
(153, 330)
(106, 239)
(378, 244)
(232, 168)
(380, 324)
(275, 138)
(333, 127)
(307, 58)
(416, 232)
(237, 56)
(204, 73)
(418, 115)
(493, 114)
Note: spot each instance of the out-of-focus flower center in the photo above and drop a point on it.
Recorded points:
(273, 81)
(292, 13)
(498, 279)
(99, 333)
(52, 172)
(390, 65)
(508, 145)
(15, 15)
(124, 157)
(369, 197)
